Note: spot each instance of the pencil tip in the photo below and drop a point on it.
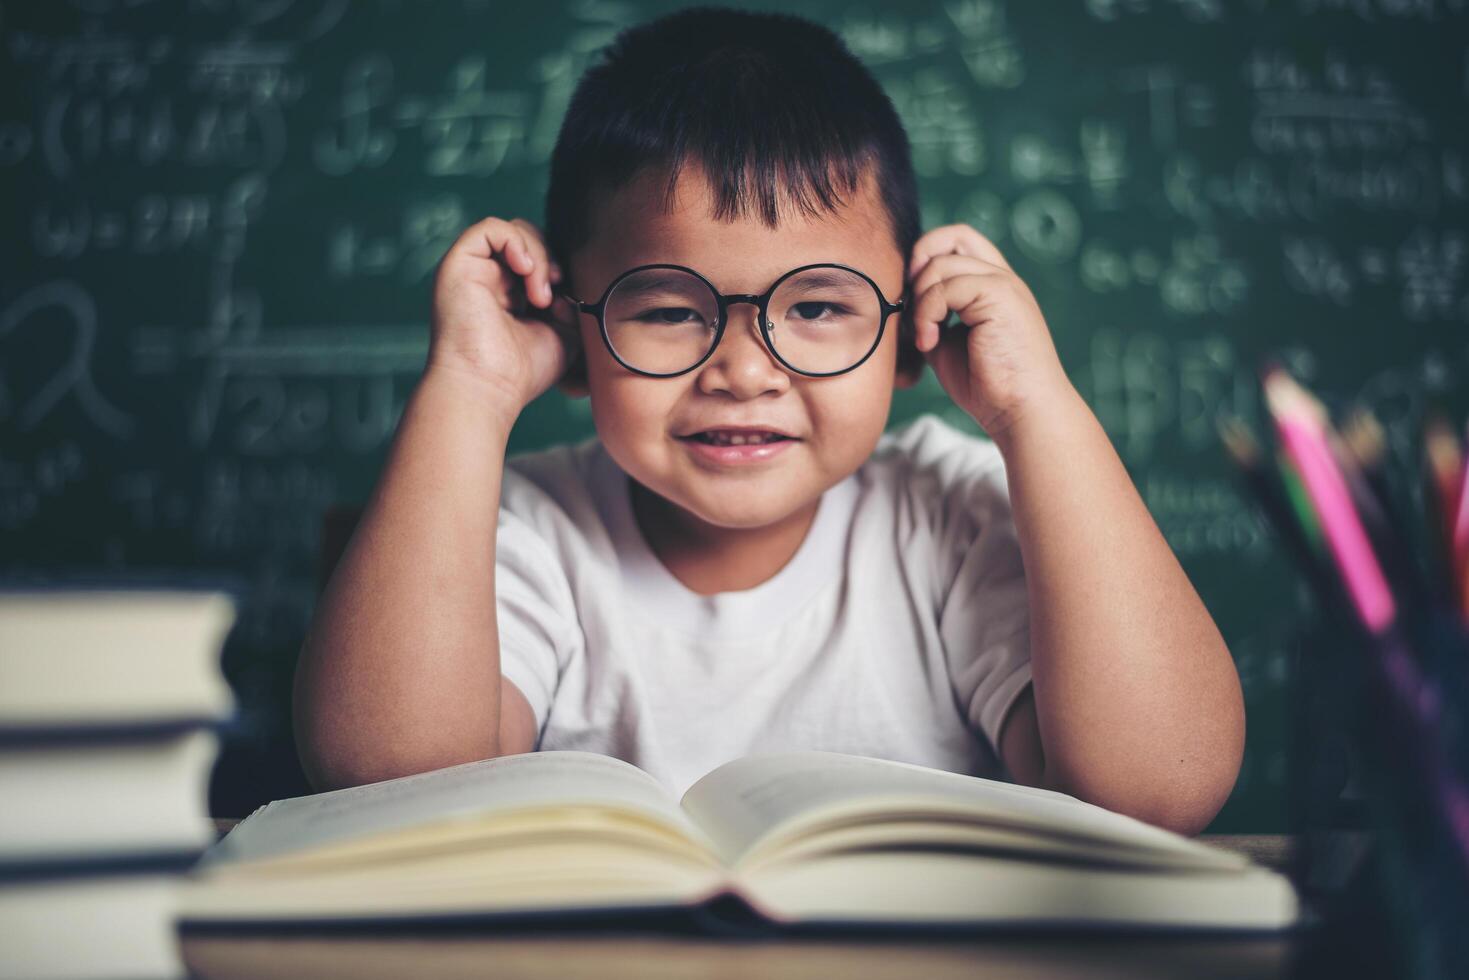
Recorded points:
(1288, 398)
(1238, 439)
(1440, 444)
(1364, 436)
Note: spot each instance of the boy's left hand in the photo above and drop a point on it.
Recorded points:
(1001, 360)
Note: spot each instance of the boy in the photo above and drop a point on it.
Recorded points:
(742, 560)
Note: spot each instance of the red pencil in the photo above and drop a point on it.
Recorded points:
(1445, 459)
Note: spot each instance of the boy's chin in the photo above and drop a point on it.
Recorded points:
(748, 514)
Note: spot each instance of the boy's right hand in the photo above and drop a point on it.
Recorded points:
(495, 317)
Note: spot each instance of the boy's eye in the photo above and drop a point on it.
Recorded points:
(669, 315)
(806, 309)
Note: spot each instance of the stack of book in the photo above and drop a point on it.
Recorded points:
(109, 701)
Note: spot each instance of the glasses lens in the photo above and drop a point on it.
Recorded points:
(824, 319)
(661, 320)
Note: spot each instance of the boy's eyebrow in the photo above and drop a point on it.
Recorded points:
(652, 282)
(822, 278)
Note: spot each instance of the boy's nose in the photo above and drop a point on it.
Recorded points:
(742, 359)
(736, 320)
(743, 330)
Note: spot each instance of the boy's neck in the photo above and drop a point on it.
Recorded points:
(709, 559)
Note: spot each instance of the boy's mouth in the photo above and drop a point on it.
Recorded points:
(737, 437)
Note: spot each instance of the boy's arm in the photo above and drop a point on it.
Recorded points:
(1020, 741)
(1136, 703)
(400, 671)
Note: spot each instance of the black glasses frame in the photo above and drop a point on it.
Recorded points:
(726, 300)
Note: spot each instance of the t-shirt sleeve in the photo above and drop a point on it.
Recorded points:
(984, 611)
(534, 608)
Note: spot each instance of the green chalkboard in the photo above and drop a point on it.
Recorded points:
(221, 220)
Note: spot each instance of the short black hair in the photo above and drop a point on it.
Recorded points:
(774, 107)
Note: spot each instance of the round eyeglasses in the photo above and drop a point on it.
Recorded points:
(664, 320)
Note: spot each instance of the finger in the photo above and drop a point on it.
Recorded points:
(952, 264)
(473, 258)
(933, 243)
(549, 270)
(499, 242)
(518, 255)
(918, 260)
(948, 266)
(938, 241)
(934, 305)
(517, 259)
(538, 285)
(931, 309)
(533, 272)
(485, 239)
(983, 248)
(945, 296)
(958, 239)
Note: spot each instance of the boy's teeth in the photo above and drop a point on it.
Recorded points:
(736, 438)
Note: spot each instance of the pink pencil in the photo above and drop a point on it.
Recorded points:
(1460, 547)
(1303, 435)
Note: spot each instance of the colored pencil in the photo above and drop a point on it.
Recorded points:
(1290, 479)
(1461, 540)
(1444, 464)
(1363, 447)
(1289, 517)
(1301, 428)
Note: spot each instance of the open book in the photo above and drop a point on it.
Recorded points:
(790, 838)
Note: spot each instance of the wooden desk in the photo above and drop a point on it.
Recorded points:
(461, 953)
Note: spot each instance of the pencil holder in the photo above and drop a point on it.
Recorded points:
(1388, 715)
(1325, 785)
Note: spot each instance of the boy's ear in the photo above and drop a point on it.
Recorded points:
(910, 359)
(573, 383)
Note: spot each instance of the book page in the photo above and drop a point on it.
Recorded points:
(748, 800)
(988, 890)
(499, 785)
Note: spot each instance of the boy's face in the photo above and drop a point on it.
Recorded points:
(837, 420)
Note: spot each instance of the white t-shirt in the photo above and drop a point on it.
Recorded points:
(899, 629)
